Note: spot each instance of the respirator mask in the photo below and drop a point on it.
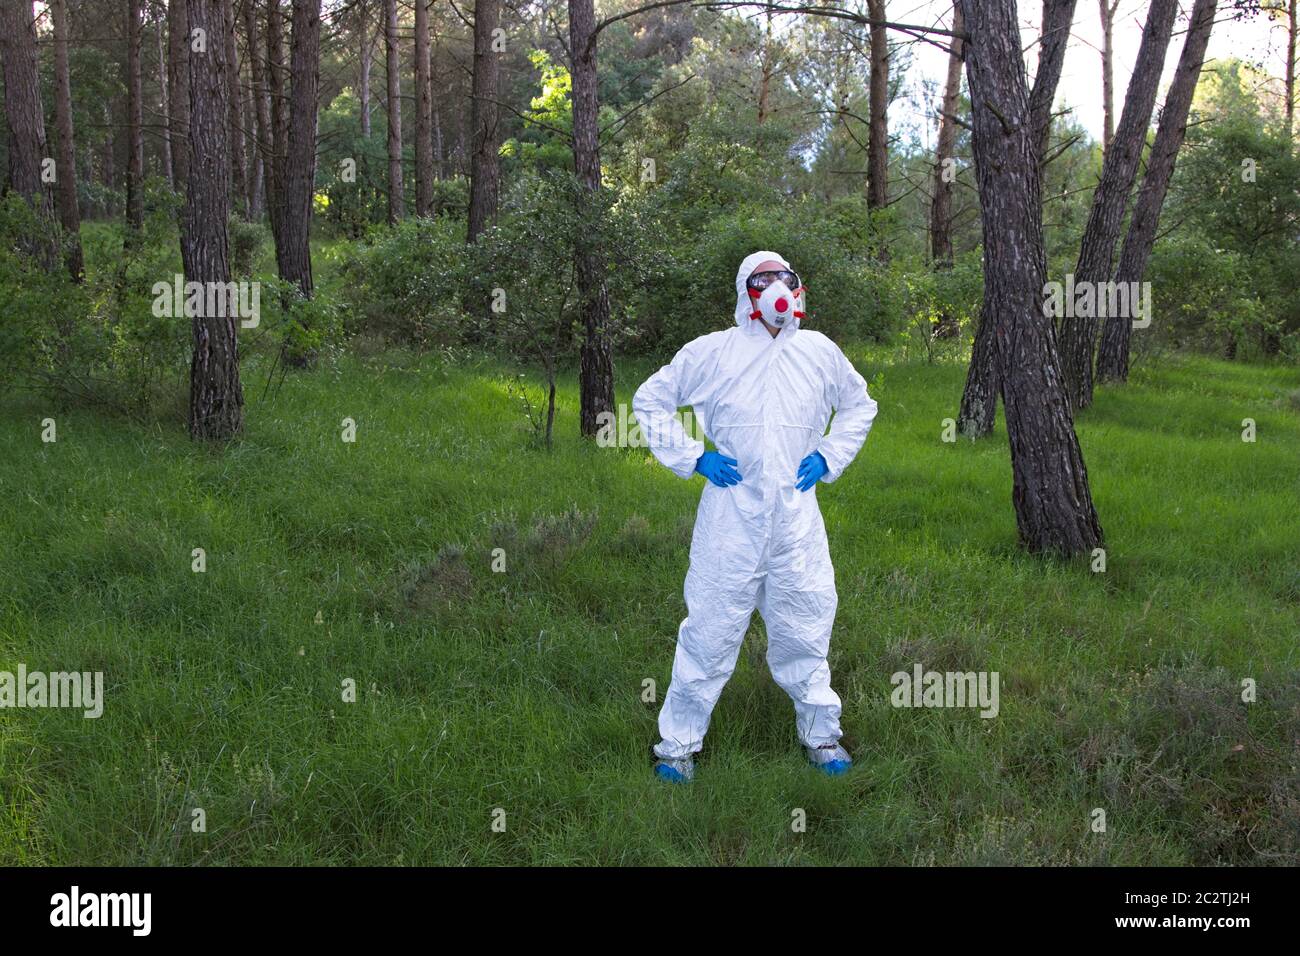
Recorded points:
(777, 296)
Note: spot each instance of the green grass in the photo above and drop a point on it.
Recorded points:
(522, 690)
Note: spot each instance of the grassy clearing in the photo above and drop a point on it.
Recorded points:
(522, 690)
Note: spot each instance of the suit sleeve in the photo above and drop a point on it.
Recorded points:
(655, 407)
(855, 410)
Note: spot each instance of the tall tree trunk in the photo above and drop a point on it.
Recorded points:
(396, 188)
(1107, 11)
(238, 161)
(293, 252)
(423, 113)
(1053, 504)
(1097, 248)
(178, 74)
(216, 396)
(135, 122)
(278, 82)
(878, 111)
(252, 104)
(945, 172)
(1291, 28)
(69, 214)
(164, 99)
(1058, 15)
(261, 102)
(367, 57)
(596, 377)
(1113, 355)
(979, 397)
(25, 122)
(484, 174)
(941, 203)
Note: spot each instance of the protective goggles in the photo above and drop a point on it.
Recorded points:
(759, 281)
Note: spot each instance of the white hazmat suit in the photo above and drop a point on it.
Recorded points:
(764, 401)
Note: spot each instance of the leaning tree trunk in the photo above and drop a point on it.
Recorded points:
(1113, 355)
(979, 397)
(941, 202)
(596, 378)
(69, 214)
(1097, 248)
(1053, 504)
(293, 252)
(216, 396)
(878, 111)
(178, 81)
(396, 188)
(25, 123)
(135, 122)
(423, 113)
(484, 174)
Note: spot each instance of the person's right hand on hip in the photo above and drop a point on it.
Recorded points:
(719, 469)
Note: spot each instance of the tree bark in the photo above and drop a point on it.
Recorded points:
(238, 159)
(69, 214)
(366, 58)
(216, 396)
(25, 122)
(396, 188)
(293, 252)
(484, 174)
(1113, 355)
(135, 122)
(941, 203)
(878, 110)
(178, 75)
(596, 377)
(1097, 248)
(164, 99)
(259, 106)
(1107, 11)
(1058, 16)
(979, 397)
(423, 113)
(279, 107)
(1053, 504)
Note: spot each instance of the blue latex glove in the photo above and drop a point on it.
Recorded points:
(811, 470)
(719, 469)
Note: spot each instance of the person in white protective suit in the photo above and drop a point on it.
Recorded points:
(763, 392)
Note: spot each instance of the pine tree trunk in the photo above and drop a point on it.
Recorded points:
(878, 111)
(423, 113)
(164, 101)
(596, 376)
(278, 82)
(396, 188)
(484, 175)
(238, 159)
(942, 183)
(1107, 11)
(69, 213)
(257, 113)
(979, 397)
(216, 396)
(25, 123)
(366, 58)
(1113, 355)
(135, 121)
(1097, 248)
(1053, 504)
(293, 252)
(178, 76)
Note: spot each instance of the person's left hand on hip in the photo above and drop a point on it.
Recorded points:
(811, 470)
